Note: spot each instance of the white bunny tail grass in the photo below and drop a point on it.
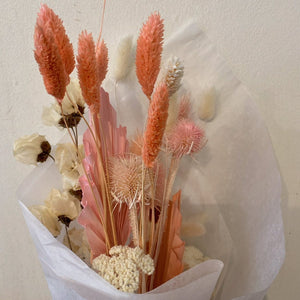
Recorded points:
(123, 59)
(207, 104)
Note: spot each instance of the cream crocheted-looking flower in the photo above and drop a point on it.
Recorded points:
(47, 218)
(72, 101)
(31, 149)
(63, 204)
(69, 165)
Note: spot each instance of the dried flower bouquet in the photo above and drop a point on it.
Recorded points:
(119, 200)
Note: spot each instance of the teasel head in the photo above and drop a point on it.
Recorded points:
(125, 176)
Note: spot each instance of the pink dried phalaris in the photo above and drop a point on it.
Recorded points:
(148, 53)
(185, 138)
(51, 67)
(87, 69)
(156, 123)
(101, 61)
(54, 23)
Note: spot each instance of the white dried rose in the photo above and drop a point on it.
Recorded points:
(31, 149)
(71, 103)
(69, 165)
(63, 204)
(47, 218)
(79, 244)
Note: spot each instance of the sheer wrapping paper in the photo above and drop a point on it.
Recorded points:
(234, 182)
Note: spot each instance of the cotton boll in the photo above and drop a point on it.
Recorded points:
(123, 59)
(63, 204)
(31, 149)
(47, 218)
(207, 105)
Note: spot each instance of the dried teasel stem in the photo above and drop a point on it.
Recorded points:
(133, 218)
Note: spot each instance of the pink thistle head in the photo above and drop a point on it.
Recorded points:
(185, 138)
(148, 53)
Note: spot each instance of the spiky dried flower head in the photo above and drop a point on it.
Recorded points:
(148, 53)
(47, 16)
(185, 107)
(172, 74)
(126, 180)
(136, 144)
(156, 123)
(87, 69)
(101, 60)
(51, 66)
(123, 59)
(185, 138)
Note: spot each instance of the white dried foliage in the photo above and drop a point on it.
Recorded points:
(207, 104)
(123, 59)
(172, 74)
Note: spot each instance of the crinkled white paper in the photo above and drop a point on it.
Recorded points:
(235, 182)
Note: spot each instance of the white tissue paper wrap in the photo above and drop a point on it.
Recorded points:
(235, 183)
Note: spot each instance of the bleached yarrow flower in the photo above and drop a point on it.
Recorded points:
(63, 205)
(71, 104)
(47, 218)
(69, 164)
(31, 149)
(123, 266)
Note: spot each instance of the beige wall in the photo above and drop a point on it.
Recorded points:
(260, 39)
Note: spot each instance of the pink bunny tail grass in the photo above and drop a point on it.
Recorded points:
(47, 17)
(51, 67)
(156, 123)
(184, 107)
(148, 53)
(87, 69)
(101, 60)
(185, 138)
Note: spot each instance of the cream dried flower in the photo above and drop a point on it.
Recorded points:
(172, 74)
(31, 149)
(192, 256)
(123, 59)
(72, 103)
(63, 205)
(123, 267)
(79, 243)
(47, 218)
(69, 165)
(207, 104)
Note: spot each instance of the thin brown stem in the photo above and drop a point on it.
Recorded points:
(68, 237)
